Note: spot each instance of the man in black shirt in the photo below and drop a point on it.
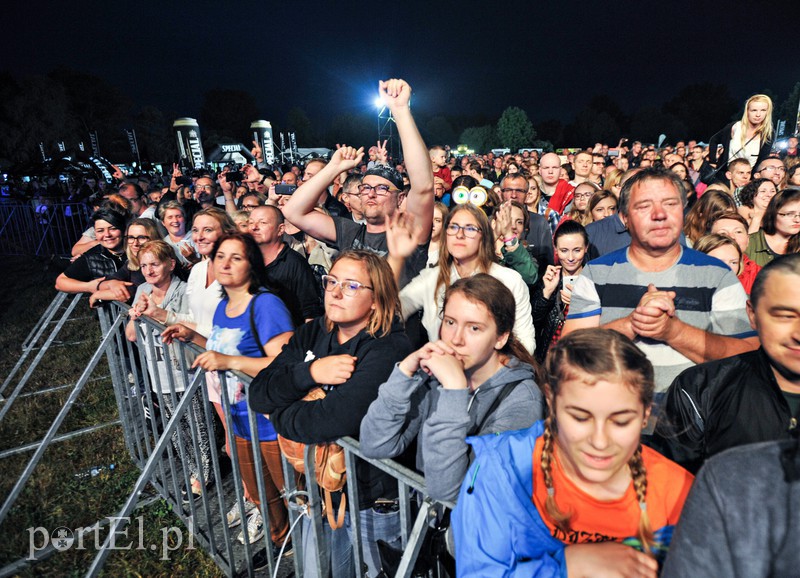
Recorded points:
(747, 398)
(288, 274)
(381, 190)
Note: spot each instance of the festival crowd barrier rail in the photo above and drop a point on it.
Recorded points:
(167, 444)
(44, 230)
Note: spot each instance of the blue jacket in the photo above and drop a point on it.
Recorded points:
(516, 543)
(497, 529)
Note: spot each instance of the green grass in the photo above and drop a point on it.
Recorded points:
(54, 497)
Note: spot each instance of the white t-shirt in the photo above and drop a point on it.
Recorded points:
(202, 300)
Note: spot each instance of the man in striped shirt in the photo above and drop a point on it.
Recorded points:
(681, 307)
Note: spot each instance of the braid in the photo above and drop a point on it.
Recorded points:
(639, 475)
(561, 520)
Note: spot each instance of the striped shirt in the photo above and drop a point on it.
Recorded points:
(708, 296)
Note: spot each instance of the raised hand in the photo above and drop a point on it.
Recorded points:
(550, 280)
(117, 174)
(501, 223)
(346, 157)
(382, 153)
(257, 152)
(396, 93)
(402, 235)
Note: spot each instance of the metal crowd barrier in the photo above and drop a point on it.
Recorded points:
(162, 446)
(162, 462)
(44, 230)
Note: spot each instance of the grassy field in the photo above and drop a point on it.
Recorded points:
(54, 497)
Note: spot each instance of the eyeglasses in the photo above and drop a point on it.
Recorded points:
(349, 288)
(204, 187)
(509, 190)
(250, 207)
(773, 168)
(583, 195)
(470, 231)
(601, 163)
(793, 215)
(141, 239)
(379, 190)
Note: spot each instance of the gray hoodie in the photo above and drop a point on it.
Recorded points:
(410, 406)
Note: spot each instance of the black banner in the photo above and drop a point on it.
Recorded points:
(262, 134)
(95, 142)
(190, 147)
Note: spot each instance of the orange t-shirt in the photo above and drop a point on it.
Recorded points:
(594, 520)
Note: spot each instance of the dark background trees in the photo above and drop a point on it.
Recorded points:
(67, 104)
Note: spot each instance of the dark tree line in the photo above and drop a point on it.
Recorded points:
(66, 105)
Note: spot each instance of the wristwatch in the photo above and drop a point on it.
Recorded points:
(511, 242)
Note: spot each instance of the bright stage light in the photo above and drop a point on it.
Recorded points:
(378, 102)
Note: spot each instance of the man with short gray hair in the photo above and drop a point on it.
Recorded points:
(679, 306)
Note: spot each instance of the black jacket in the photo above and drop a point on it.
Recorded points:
(723, 138)
(95, 263)
(719, 405)
(279, 389)
(293, 280)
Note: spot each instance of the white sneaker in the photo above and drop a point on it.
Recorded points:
(254, 528)
(234, 516)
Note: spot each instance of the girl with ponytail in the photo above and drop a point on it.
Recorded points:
(576, 493)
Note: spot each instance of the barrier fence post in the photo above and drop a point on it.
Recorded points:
(34, 336)
(37, 456)
(35, 363)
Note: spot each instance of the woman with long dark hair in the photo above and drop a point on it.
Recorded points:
(444, 391)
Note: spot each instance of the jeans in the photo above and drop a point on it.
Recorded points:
(374, 526)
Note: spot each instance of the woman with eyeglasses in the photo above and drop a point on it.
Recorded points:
(579, 208)
(780, 228)
(468, 249)
(121, 286)
(348, 352)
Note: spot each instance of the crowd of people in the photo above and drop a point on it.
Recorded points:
(558, 343)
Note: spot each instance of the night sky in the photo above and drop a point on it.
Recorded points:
(548, 58)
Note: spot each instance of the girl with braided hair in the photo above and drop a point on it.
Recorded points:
(577, 493)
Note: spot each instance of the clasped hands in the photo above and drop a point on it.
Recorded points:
(654, 316)
(439, 360)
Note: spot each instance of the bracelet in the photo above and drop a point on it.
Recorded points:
(98, 284)
(511, 238)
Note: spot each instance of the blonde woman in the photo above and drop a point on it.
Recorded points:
(749, 138)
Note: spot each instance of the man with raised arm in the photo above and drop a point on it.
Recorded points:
(678, 305)
(381, 191)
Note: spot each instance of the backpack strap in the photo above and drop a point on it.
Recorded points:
(253, 329)
(504, 393)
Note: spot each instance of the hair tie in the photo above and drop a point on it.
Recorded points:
(643, 506)
(551, 492)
